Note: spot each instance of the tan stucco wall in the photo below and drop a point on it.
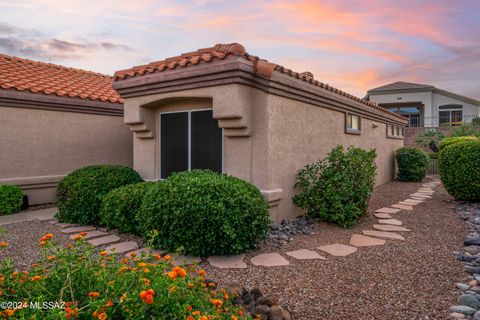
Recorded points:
(38, 147)
(300, 134)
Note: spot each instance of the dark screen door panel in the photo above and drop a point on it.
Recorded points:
(206, 141)
(173, 143)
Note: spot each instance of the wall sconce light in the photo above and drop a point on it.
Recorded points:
(374, 125)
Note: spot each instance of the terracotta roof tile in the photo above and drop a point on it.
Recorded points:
(39, 77)
(222, 51)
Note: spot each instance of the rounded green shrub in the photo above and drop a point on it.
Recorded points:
(412, 164)
(11, 199)
(120, 206)
(203, 213)
(459, 165)
(337, 188)
(79, 194)
(452, 140)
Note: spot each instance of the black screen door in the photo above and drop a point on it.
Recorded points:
(190, 140)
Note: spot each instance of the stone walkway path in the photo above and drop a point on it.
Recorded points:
(384, 230)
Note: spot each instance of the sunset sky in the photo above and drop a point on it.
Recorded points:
(352, 45)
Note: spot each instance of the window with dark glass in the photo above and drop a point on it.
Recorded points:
(412, 113)
(189, 140)
(450, 115)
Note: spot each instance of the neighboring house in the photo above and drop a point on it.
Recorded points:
(54, 120)
(425, 105)
(223, 109)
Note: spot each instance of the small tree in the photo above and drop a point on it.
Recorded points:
(430, 138)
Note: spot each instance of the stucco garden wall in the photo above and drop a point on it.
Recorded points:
(38, 147)
(300, 133)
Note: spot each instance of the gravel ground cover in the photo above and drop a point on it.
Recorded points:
(23, 239)
(411, 279)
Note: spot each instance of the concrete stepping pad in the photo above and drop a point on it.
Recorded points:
(389, 227)
(104, 240)
(185, 260)
(359, 240)
(387, 210)
(383, 215)
(228, 262)
(90, 234)
(304, 254)
(78, 229)
(383, 234)
(146, 252)
(338, 249)
(269, 260)
(122, 247)
(393, 222)
(402, 207)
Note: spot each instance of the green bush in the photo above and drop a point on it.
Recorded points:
(459, 165)
(452, 140)
(11, 199)
(120, 206)
(203, 213)
(337, 188)
(476, 121)
(467, 129)
(433, 155)
(412, 164)
(80, 193)
(77, 282)
(430, 138)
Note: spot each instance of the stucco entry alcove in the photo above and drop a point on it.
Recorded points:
(274, 121)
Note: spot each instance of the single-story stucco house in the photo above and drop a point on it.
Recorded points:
(425, 105)
(223, 109)
(54, 120)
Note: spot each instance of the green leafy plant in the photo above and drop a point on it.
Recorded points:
(120, 206)
(476, 121)
(467, 129)
(78, 282)
(203, 213)
(79, 194)
(452, 140)
(459, 165)
(433, 155)
(337, 188)
(430, 138)
(11, 199)
(412, 164)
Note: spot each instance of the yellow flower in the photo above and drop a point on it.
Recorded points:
(103, 253)
(143, 264)
(3, 244)
(172, 289)
(146, 270)
(102, 316)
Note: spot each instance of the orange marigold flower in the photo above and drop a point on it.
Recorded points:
(102, 316)
(180, 271)
(43, 243)
(103, 253)
(109, 303)
(172, 275)
(196, 313)
(94, 294)
(146, 281)
(124, 269)
(111, 283)
(189, 308)
(143, 264)
(9, 312)
(133, 254)
(203, 318)
(201, 272)
(83, 233)
(190, 318)
(148, 299)
(3, 244)
(190, 285)
(123, 297)
(78, 237)
(156, 256)
(234, 318)
(216, 302)
(36, 278)
(95, 314)
(51, 258)
(146, 270)
(172, 289)
(167, 257)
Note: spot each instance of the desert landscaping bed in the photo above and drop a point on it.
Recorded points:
(411, 279)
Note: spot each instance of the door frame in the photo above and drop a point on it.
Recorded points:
(189, 112)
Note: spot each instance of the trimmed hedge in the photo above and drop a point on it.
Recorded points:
(120, 206)
(337, 188)
(412, 164)
(80, 193)
(452, 140)
(11, 199)
(203, 213)
(460, 169)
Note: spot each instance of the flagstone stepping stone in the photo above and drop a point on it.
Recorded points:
(53, 221)
(387, 210)
(393, 222)
(383, 234)
(122, 247)
(185, 260)
(64, 225)
(338, 249)
(90, 234)
(304, 254)
(414, 200)
(104, 240)
(420, 195)
(408, 203)
(228, 262)
(359, 240)
(145, 251)
(269, 260)
(78, 229)
(389, 227)
(383, 215)
(402, 206)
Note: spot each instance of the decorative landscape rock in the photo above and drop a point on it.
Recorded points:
(338, 249)
(280, 234)
(359, 240)
(463, 309)
(304, 254)
(266, 307)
